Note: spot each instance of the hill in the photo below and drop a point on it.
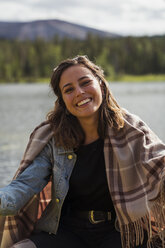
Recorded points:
(47, 29)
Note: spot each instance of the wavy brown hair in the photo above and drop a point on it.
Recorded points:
(67, 129)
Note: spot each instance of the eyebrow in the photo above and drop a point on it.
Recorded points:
(68, 84)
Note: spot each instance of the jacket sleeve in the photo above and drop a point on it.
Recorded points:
(30, 182)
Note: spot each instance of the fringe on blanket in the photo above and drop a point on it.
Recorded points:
(132, 234)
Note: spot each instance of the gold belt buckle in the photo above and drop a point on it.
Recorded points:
(93, 221)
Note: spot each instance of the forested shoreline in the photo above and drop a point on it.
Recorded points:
(30, 61)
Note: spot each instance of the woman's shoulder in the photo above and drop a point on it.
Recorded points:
(134, 124)
(132, 119)
(40, 137)
(43, 129)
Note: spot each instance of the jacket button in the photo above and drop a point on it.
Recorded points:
(57, 200)
(70, 156)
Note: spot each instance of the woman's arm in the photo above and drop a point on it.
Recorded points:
(30, 182)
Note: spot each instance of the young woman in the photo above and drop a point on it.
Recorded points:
(104, 165)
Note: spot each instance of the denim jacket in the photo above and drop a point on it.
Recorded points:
(52, 161)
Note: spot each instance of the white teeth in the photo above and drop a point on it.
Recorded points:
(83, 102)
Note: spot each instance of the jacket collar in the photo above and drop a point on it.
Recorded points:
(61, 150)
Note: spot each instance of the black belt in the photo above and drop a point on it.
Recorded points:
(94, 217)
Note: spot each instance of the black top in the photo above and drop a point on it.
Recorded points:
(88, 188)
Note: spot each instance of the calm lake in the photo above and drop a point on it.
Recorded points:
(22, 107)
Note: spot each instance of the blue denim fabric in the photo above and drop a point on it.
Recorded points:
(51, 161)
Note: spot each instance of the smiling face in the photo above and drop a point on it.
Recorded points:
(81, 92)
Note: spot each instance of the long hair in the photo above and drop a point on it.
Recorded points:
(67, 129)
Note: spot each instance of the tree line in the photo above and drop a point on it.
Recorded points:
(33, 60)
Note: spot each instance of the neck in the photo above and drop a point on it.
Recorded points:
(90, 128)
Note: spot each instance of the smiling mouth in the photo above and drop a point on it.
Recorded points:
(84, 102)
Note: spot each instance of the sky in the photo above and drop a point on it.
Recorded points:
(124, 17)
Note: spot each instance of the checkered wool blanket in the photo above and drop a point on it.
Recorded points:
(134, 159)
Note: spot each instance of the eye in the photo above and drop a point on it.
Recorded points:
(86, 83)
(68, 90)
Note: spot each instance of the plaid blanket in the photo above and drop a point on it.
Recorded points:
(134, 159)
(16, 228)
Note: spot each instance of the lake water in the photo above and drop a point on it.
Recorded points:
(22, 107)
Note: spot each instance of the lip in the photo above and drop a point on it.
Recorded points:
(83, 102)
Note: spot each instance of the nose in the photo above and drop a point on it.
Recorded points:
(79, 91)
